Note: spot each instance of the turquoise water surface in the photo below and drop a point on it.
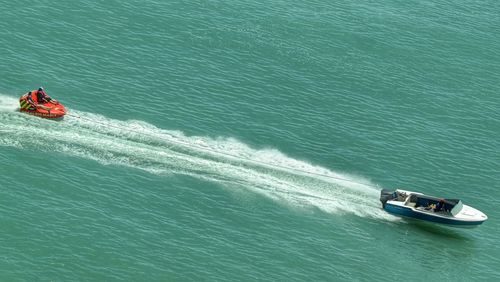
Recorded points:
(247, 140)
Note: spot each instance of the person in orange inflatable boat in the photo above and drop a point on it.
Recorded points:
(35, 99)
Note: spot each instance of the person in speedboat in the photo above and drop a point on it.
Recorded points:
(431, 207)
(439, 206)
(35, 99)
(436, 207)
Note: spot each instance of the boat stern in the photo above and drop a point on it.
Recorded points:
(386, 195)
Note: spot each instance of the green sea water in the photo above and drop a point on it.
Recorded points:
(247, 140)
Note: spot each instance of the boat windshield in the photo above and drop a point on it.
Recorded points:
(457, 208)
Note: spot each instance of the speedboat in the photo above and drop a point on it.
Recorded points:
(450, 212)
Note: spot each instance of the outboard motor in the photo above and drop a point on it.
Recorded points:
(386, 195)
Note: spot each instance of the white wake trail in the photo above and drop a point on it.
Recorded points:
(226, 161)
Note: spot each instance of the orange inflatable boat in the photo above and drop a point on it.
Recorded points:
(52, 110)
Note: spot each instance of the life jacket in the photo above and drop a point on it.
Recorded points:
(23, 101)
(34, 96)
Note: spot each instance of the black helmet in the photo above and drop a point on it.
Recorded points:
(40, 88)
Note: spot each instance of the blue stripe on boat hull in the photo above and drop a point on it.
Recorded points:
(408, 212)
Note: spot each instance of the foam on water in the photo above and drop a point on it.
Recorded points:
(226, 161)
(8, 104)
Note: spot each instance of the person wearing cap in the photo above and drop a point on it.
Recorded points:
(35, 99)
